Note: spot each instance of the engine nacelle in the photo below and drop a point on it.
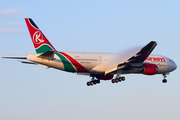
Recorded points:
(106, 77)
(148, 69)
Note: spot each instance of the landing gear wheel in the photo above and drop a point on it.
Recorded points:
(119, 79)
(91, 83)
(123, 78)
(98, 81)
(164, 81)
(88, 83)
(113, 81)
(94, 82)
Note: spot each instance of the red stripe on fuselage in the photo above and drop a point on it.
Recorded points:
(78, 66)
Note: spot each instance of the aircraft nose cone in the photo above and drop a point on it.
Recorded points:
(174, 66)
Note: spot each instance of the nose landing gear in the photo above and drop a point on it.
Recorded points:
(164, 80)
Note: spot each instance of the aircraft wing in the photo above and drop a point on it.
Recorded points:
(136, 60)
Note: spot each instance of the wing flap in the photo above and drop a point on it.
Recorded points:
(114, 69)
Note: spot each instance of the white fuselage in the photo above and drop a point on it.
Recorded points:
(102, 62)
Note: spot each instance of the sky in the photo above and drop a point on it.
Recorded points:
(29, 92)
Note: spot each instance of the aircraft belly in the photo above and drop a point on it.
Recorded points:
(130, 71)
(57, 65)
(87, 60)
(88, 64)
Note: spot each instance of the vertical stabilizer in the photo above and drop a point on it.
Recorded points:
(40, 42)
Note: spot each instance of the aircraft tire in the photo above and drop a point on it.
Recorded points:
(94, 82)
(113, 80)
(123, 78)
(164, 80)
(88, 84)
(91, 83)
(98, 81)
(119, 79)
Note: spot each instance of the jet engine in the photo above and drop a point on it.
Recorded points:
(148, 69)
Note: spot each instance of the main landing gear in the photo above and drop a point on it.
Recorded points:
(93, 82)
(164, 80)
(118, 79)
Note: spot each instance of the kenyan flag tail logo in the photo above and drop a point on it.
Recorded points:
(39, 40)
(38, 37)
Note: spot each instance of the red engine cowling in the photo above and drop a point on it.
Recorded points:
(148, 69)
(106, 77)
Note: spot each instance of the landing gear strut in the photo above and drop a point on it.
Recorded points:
(118, 79)
(164, 80)
(93, 82)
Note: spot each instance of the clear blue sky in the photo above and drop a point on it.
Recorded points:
(30, 92)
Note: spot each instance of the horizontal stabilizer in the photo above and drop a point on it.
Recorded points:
(15, 57)
(34, 63)
(29, 62)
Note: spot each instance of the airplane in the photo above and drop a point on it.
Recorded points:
(99, 66)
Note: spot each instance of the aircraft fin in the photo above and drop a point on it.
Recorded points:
(39, 40)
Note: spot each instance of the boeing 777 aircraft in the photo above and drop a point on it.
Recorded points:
(99, 66)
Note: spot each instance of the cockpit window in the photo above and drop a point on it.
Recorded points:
(173, 62)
